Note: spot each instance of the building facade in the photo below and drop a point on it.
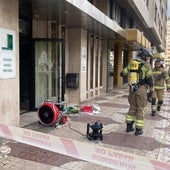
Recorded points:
(167, 52)
(71, 50)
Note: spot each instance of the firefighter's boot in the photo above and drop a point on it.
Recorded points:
(129, 127)
(138, 132)
(153, 113)
(153, 106)
(158, 108)
(160, 102)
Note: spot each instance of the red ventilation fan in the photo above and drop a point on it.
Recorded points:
(50, 113)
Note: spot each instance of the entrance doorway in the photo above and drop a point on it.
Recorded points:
(49, 70)
(42, 72)
(111, 71)
(25, 50)
(42, 64)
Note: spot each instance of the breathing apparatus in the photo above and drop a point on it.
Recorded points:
(134, 72)
(94, 131)
(135, 68)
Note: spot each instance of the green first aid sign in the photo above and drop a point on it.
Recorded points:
(7, 54)
(9, 39)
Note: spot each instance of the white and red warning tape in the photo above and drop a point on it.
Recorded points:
(89, 152)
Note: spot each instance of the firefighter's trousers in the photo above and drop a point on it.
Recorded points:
(138, 101)
(157, 98)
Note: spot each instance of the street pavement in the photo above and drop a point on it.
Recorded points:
(153, 144)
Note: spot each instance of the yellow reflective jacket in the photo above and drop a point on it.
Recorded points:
(161, 79)
(145, 73)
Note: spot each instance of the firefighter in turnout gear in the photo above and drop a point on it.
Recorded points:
(161, 81)
(140, 79)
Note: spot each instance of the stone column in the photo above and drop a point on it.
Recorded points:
(118, 64)
(77, 63)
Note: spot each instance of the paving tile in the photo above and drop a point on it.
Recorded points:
(154, 143)
(32, 153)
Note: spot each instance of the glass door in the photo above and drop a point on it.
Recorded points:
(111, 70)
(49, 71)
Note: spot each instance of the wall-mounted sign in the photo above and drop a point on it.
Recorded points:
(83, 59)
(7, 54)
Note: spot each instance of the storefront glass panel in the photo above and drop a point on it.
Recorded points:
(48, 71)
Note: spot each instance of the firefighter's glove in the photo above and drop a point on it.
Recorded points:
(149, 96)
(150, 93)
(160, 76)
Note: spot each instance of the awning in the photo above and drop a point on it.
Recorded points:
(76, 14)
(143, 40)
(147, 43)
(133, 35)
(157, 56)
(136, 39)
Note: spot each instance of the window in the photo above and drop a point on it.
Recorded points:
(156, 11)
(147, 3)
(115, 11)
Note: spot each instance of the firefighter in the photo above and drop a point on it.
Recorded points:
(161, 81)
(140, 79)
(169, 71)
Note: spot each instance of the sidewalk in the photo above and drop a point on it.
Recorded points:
(153, 144)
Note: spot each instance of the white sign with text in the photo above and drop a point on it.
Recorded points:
(7, 54)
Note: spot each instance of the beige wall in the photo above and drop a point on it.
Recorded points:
(73, 54)
(76, 57)
(83, 61)
(104, 66)
(42, 29)
(9, 88)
